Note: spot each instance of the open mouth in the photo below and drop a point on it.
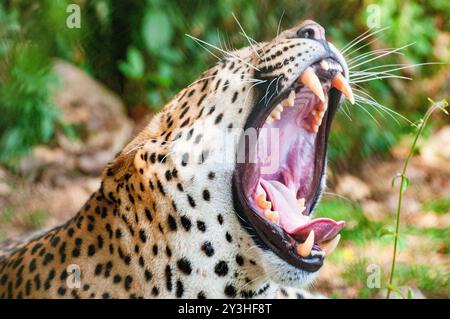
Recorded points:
(278, 185)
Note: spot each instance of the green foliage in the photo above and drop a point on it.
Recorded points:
(440, 205)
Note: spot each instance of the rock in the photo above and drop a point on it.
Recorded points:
(101, 125)
(352, 187)
(374, 211)
(99, 115)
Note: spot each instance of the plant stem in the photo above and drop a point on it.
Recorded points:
(435, 105)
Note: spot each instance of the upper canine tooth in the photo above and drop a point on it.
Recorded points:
(310, 79)
(279, 108)
(340, 83)
(331, 245)
(269, 120)
(305, 249)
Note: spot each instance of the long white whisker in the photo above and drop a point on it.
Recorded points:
(245, 34)
(358, 37)
(226, 53)
(380, 56)
(279, 23)
(372, 53)
(363, 38)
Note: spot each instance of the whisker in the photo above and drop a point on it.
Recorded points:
(382, 55)
(363, 38)
(226, 53)
(245, 34)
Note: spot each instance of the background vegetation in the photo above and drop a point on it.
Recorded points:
(139, 50)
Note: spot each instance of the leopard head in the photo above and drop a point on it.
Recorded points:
(233, 167)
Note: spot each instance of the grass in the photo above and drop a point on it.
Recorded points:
(440, 205)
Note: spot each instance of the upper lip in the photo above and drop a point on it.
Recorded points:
(268, 236)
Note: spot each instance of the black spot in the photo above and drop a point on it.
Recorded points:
(98, 269)
(172, 223)
(208, 249)
(155, 291)
(148, 214)
(218, 118)
(230, 291)
(186, 223)
(221, 269)
(180, 289)
(155, 250)
(191, 201)
(184, 265)
(235, 95)
(142, 235)
(148, 275)
(184, 159)
(128, 281)
(61, 291)
(168, 272)
(239, 260)
(91, 250)
(220, 219)
(201, 226)
(117, 279)
(201, 295)
(206, 195)
(228, 237)
(211, 175)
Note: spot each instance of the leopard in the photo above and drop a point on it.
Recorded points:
(205, 202)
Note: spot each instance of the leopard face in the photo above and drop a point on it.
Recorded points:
(203, 202)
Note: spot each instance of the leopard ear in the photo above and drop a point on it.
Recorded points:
(123, 163)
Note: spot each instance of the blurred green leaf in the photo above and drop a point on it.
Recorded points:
(134, 66)
(156, 31)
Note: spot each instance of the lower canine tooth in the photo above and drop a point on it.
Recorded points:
(305, 249)
(331, 245)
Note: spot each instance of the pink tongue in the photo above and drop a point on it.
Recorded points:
(292, 221)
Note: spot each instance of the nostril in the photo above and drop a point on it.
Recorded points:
(306, 33)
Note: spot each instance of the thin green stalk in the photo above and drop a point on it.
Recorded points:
(441, 105)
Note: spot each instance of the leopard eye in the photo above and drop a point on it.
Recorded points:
(307, 33)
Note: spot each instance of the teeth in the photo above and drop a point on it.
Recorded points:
(310, 79)
(331, 245)
(325, 65)
(290, 100)
(340, 83)
(269, 120)
(273, 216)
(262, 202)
(305, 249)
(301, 205)
(276, 115)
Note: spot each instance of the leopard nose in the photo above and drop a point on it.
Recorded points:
(311, 31)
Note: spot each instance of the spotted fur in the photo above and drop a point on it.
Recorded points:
(162, 224)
